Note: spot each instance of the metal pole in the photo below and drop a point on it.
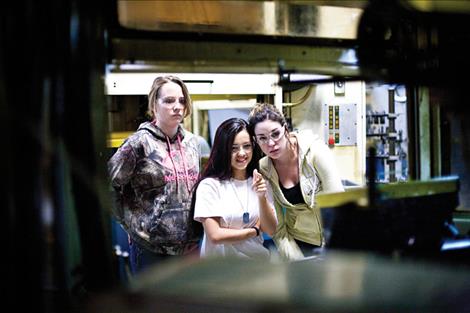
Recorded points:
(392, 135)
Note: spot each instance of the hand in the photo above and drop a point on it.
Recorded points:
(259, 184)
(192, 250)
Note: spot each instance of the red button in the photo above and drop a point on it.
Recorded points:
(331, 140)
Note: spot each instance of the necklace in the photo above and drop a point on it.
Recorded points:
(246, 214)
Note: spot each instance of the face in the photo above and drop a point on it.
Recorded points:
(270, 136)
(242, 152)
(170, 105)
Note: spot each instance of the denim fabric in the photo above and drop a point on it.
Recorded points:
(141, 258)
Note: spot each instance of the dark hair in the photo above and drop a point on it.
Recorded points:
(262, 112)
(155, 93)
(266, 111)
(219, 164)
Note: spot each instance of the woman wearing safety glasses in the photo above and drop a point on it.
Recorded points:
(153, 173)
(230, 198)
(298, 165)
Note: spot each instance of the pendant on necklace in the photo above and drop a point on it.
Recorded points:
(246, 217)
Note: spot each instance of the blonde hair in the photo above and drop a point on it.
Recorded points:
(154, 94)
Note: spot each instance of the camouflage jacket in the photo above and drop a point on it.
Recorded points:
(153, 176)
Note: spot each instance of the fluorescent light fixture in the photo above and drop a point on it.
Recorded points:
(309, 77)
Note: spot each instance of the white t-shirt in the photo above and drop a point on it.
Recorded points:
(228, 200)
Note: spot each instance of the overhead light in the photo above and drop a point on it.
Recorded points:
(308, 77)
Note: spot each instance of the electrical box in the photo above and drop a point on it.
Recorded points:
(340, 122)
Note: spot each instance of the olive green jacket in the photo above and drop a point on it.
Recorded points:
(318, 174)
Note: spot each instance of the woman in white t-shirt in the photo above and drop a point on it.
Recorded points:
(231, 198)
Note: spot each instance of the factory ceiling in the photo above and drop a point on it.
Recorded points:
(397, 40)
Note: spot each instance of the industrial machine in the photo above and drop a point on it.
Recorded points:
(62, 64)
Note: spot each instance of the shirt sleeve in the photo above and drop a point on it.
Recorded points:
(207, 200)
(270, 197)
(327, 171)
(121, 165)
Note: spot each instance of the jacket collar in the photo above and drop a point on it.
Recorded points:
(159, 134)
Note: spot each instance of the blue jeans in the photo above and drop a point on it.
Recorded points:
(141, 258)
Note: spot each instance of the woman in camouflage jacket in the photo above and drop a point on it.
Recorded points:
(153, 173)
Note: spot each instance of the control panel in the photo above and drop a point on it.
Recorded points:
(340, 122)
